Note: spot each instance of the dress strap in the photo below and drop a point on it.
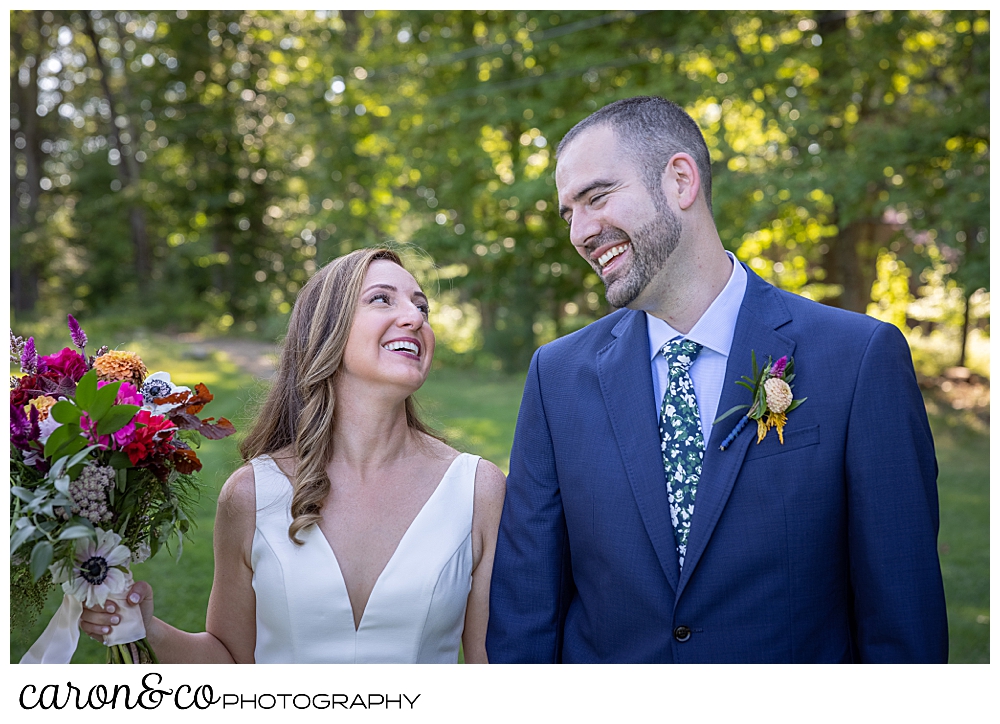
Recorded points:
(270, 483)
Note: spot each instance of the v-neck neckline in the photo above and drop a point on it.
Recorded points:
(316, 530)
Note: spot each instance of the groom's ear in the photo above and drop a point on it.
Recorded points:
(681, 181)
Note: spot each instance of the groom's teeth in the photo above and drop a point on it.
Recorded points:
(401, 345)
(610, 254)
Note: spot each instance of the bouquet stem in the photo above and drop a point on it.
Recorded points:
(137, 652)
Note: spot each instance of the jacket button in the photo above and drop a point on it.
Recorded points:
(682, 633)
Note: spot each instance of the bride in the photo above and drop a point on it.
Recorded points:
(353, 534)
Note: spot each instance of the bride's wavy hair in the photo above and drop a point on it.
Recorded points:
(299, 410)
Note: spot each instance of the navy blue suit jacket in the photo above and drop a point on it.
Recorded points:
(823, 549)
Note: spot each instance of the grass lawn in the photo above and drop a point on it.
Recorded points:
(476, 412)
(963, 452)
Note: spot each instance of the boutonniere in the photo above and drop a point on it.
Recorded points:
(771, 387)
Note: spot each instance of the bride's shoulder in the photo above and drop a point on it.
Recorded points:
(238, 496)
(491, 484)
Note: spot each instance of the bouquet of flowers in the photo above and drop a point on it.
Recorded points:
(102, 467)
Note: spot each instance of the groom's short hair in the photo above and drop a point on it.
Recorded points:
(651, 130)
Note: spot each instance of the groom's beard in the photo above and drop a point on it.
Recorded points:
(651, 245)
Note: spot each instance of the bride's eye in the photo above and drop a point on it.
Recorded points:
(380, 296)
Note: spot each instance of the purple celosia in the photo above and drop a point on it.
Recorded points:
(29, 358)
(23, 428)
(76, 333)
(779, 367)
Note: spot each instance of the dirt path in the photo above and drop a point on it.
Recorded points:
(258, 358)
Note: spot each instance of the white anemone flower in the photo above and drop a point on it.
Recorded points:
(158, 385)
(94, 575)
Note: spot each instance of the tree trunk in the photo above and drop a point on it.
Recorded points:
(128, 166)
(24, 271)
(965, 328)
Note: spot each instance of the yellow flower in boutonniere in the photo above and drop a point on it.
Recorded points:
(771, 387)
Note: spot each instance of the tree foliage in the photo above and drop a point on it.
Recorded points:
(195, 167)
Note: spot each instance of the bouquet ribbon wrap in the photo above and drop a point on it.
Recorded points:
(58, 642)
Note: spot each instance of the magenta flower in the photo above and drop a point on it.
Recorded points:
(779, 367)
(66, 362)
(76, 333)
(127, 394)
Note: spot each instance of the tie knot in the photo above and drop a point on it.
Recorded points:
(681, 352)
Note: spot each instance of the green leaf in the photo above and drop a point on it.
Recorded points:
(75, 445)
(76, 531)
(41, 558)
(795, 403)
(23, 493)
(120, 461)
(116, 418)
(86, 390)
(59, 437)
(61, 483)
(65, 411)
(104, 400)
(123, 525)
(728, 412)
(81, 455)
(20, 537)
(748, 385)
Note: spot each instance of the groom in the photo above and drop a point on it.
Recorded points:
(627, 534)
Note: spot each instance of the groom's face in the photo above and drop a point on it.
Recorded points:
(623, 231)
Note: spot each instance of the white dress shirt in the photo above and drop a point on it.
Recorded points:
(714, 332)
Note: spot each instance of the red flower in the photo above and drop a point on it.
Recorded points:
(27, 388)
(153, 434)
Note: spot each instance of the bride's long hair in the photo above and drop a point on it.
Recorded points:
(299, 410)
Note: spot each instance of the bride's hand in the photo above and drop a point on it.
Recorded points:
(96, 622)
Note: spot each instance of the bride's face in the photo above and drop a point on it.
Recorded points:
(391, 340)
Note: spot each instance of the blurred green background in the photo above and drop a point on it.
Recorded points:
(177, 176)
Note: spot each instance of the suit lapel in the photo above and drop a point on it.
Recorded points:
(761, 313)
(626, 380)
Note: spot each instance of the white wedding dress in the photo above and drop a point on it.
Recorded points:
(416, 611)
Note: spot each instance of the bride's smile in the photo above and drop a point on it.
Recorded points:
(391, 340)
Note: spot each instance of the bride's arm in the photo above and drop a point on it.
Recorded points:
(231, 626)
(487, 505)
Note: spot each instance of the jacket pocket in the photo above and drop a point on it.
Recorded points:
(794, 440)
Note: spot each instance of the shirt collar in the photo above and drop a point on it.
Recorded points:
(717, 325)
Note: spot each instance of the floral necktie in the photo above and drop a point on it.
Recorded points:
(682, 442)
